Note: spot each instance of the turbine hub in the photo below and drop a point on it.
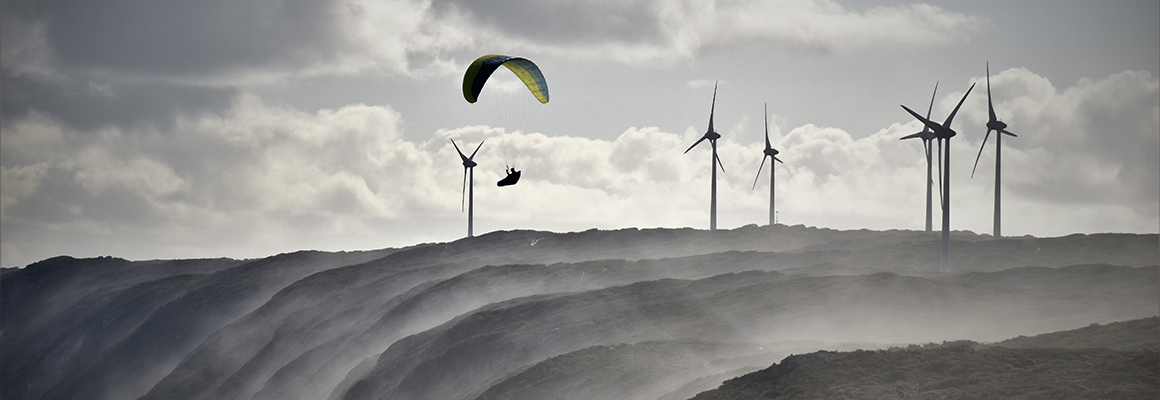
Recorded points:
(712, 135)
(771, 152)
(996, 125)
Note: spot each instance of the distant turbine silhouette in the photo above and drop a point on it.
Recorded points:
(927, 135)
(712, 136)
(994, 124)
(468, 169)
(770, 152)
(944, 132)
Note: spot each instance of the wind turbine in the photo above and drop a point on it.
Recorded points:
(468, 169)
(770, 152)
(927, 135)
(712, 136)
(944, 132)
(994, 124)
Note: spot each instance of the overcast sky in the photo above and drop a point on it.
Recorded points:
(243, 128)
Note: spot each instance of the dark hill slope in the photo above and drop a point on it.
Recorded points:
(311, 325)
(345, 314)
(462, 358)
(953, 372)
(1074, 364)
(61, 314)
(1138, 334)
(183, 317)
(628, 371)
(340, 321)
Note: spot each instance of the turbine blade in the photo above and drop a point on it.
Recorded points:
(990, 106)
(988, 135)
(767, 145)
(928, 123)
(476, 151)
(702, 139)
(458, 151)
(712, 107)
(914, 135)
(718, 159)
(1009, 133)
(924, 129)
(778, 160)
(759, 168)
(956, 110)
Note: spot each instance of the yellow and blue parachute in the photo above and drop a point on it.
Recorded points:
(483, 67)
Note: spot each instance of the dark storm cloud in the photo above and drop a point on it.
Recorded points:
(230, 43)
(648, 32)
(578, 22)
(184, 38)
(62, 196)
(88, 105)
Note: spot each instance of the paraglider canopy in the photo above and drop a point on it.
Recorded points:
(511, 179)
(483, 67)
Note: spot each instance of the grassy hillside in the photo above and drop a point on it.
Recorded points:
(1074, 364)
(1139, 334)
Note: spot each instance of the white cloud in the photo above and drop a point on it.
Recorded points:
(1095, 143)
(262, 179)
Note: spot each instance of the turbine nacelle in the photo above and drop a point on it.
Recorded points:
(996, 125)
(938, 131)
(926, 134)
(993, 124)
(468, 162)
(710, 133)
(710, 136)
(769, 152)
(941, 131)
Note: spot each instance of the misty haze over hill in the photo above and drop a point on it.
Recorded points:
(628, 314)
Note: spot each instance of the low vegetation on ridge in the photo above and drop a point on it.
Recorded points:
(1071, 364)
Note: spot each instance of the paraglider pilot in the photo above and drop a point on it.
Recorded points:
(511, 179)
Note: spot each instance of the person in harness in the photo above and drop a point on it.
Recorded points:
(512, 177)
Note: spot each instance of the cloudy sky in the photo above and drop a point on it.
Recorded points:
(244, 128)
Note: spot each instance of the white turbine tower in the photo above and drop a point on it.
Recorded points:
(468, 169)
(770, 152)
(712, 136)
(1000, 128)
